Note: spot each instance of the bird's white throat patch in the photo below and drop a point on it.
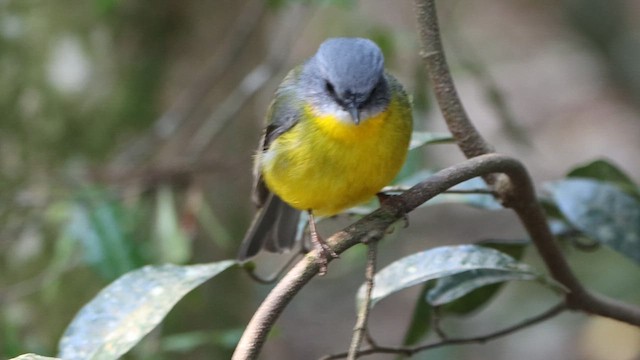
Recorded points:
(336, 111)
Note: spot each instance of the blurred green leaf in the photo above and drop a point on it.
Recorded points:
(602, 211)
(62, 260)
(106, 6)
(34, 357)
(10, 334)
(129, 308)
(442, 262)
(384, 38)
(102, 225)
(188, 341)
(174, 246)
(215, 228)
(551, 209)
(604, 170)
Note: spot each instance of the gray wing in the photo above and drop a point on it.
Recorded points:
(275, 225)
(283, 114)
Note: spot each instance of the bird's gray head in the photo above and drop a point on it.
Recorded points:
(348, 74)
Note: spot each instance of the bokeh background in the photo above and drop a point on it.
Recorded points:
(127, 130)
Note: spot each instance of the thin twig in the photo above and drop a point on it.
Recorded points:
(360, 328)
(409, 351)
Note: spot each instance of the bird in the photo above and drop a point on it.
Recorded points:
(338, 131)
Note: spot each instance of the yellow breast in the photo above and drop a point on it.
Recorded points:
(328, 165)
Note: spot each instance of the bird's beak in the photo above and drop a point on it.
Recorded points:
(354, 113)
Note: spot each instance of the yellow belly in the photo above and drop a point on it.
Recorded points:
(327, 165)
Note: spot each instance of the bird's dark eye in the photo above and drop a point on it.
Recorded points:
(330, 89)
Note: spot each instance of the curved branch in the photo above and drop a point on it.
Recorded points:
(467, 136)
(370, 228)
(373, 226)
(517, 191)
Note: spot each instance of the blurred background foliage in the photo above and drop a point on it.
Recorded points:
(126, 135)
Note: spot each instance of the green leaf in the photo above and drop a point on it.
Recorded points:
(421, 318)
(513, 248)
(456, 286)
(441, 262)
(601, 211)
(129, 308)
(478, 297)
(604, 170)
(471, 301)
(422, 138)
(34, 357)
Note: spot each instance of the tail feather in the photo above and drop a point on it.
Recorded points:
(274, 228)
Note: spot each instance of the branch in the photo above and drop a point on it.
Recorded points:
(373, 226)
(370, 228)
(409, 351)
(360, 329)
(469, 140)
(516, 192)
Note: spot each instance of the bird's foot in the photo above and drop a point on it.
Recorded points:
(325, 253)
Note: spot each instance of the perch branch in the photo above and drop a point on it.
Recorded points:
(370, 228)
(516, 191)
